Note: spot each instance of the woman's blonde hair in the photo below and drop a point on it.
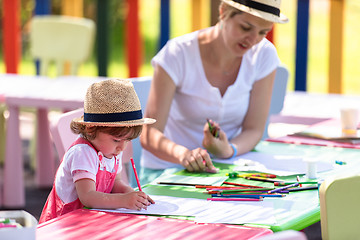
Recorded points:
(227, 11)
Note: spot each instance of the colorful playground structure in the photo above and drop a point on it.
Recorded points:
(201, 10)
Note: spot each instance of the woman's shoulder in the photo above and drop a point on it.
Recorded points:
(263, 50)
(183, 42)
(264, 46)
(188, 37)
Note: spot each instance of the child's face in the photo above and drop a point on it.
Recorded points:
(109, 145)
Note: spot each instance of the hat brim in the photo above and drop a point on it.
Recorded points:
(138, 122)
(264, 15)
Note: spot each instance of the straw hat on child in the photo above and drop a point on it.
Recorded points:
(112, 103)
(265, 9)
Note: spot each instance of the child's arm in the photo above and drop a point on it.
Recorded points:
(91, 198)
(120, 186)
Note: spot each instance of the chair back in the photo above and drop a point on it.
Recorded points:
(63, 137)
(278, 95)
(142, 88)
(339, 207)
(61, 39)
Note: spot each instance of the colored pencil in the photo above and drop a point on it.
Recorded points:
(214, 130)
(178, 184)
(237, 196)
(261, 179)
(243, 185)
(135, 172)
(218, 187)
(288, 183)
(265, 175)
(298, 180)
(282, 188)
(243, 190)
(248, 195)
(302, 189)
(235, 199)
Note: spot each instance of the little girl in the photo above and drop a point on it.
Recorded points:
(89, 174)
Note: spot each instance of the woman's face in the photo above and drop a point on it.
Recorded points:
(242, 31)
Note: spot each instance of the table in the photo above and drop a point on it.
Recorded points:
(302, 109)
(91, 224)
(297, 210)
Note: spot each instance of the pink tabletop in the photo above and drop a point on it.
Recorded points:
(91, 224)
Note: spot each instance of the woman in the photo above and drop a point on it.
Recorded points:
(224, 73)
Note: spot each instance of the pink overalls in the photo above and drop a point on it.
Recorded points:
(55, 207)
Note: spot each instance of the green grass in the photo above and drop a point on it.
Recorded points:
(285, 37)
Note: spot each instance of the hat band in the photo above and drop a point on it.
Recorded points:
(112, 117)
(259, 6)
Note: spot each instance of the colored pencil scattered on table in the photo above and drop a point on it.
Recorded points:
(262, 179)
(235, 199)
(298, 180)
(237, 175)
(282, 188)
(240, 184)
(288, 183)
(302, 188)
(248, 195)
(178, 184)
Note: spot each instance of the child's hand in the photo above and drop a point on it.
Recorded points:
(138, 200)
(150, 200)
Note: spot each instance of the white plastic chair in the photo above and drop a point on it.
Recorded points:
(63, 137)
(339, 207)
(278, 95)
(61, 39)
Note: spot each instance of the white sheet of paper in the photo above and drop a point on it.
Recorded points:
(207, 211)
(282, 165)
(235, 212)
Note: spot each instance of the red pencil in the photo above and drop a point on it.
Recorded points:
(235, 199)
(136, 175)
(243, 185)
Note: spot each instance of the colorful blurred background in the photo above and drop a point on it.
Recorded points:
(181, 21)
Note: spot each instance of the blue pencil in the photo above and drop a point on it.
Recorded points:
(238, 195)
(285, 187)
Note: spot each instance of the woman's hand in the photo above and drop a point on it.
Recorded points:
(217, 146)
(197, 160)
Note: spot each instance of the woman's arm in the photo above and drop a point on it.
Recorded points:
(256, 116)
(152, 138)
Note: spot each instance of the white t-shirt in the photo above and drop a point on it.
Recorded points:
(196, 99)
(80, 157)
